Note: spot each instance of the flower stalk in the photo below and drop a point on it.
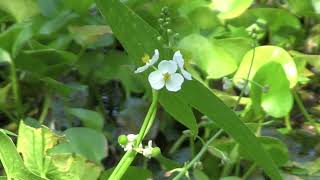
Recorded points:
(129, 156)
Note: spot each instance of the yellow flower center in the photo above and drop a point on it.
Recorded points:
(166, 76)
(145, 59)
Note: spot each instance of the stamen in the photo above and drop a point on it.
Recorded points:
(145, 59)
(166, 76)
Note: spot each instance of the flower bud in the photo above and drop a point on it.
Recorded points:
(169, 31)
(160, 20)
(159, 38)
(156, 151)
(168, 19)
(122, 139)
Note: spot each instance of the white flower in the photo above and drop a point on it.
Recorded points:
(148, 62)
(177, 57)
(240, 85)
(147, 151)
(166, 76)
(130, 144)
(226, 83)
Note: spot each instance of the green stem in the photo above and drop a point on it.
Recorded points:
(288, 122)
(304, 111)
(15, 89)
(198, 156)
(249, 171)
(177, 144)
(127, 159)
(45, 109)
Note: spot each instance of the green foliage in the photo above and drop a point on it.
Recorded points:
(38, 148)
(68, 89)
(274, 95)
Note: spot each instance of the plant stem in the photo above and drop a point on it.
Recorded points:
(45, 109)
(304, 111)
(15, 89)
(249, 172)
(177, 144)
(129, 156)
(288, 122)
(198, 156)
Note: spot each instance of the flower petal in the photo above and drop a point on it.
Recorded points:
(186, 74)
(156, 80)
(175, 82)
(167, 67)
(142, 68)
(155, 57)
(177, 57)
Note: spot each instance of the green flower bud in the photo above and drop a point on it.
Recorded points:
(159, 38)
(166, 24)
(160, 20)
(169, 31)
(156, 151)
(122, 139)
(168, 19)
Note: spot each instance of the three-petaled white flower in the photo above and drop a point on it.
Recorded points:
(166, 76)
(148, 62)
(147, 151)
(177, 57)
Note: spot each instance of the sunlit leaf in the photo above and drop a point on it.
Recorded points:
(263, 55)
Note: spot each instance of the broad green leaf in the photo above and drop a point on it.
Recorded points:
(57, 23)
(89, 34)
(12, 162)
(301, 8)
(89, 118)
(80, 6)
(35, 144)
(230, 8)
(132, 172)
(211, 106)
(199, 175)
(263, 55)
(56, 86)
(235, 47)
(181, 111)
(80, 141)
(5, 57)
(23, 37)
(48, 8)
(277, 100)
(8, 37)
(72, 167)
(20, 9)
(45, 62)
(208, 56)
(125, 23)
(312, 59)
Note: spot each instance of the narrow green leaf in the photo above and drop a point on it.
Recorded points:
(179, 110)
(136, 35)
(210, 105)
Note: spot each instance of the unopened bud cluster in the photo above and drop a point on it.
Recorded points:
(165, 22)
(128, 143)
